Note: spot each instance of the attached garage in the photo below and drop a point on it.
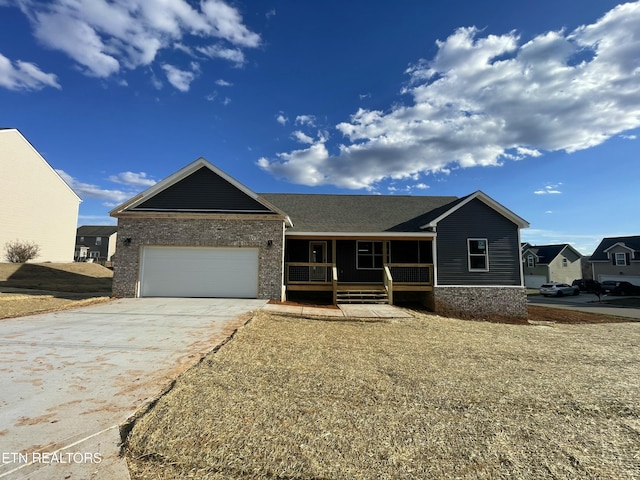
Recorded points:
(198, 272)
(534, 281)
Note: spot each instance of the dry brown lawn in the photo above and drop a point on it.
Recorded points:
(36, 288)
(428, 397)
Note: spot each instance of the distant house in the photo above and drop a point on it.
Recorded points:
(201, 233)
(617, 258)
(97, 242)
(36, 205)
(550, 263)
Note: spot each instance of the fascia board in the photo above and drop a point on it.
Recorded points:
(619, 244)
(361, 234)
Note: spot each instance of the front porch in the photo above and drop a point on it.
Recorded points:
(359, 270)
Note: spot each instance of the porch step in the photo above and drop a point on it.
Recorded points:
(362, 296)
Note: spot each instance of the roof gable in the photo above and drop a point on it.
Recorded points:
(630, 242)
(545, 254)
(198, 188)
(15, 147)
(445, 211)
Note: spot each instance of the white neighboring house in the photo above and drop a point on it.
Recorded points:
(36, 204)
(550, 263)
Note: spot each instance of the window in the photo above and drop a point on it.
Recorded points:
(369, 255)
(565, 263)
(531, 262)
(98, 241)
(478, 255)
(621, 259)
(94, 254)
(81, 239)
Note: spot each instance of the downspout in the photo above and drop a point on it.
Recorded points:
(520, 260)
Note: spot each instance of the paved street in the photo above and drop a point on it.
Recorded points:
(586, 302)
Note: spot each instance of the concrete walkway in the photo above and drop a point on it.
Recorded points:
(345, 310)
(69, 379)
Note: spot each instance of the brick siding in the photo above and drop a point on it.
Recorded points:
(190, 232)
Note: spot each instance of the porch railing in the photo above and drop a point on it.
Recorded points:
(305, 273)
(411, 273)
(388, 283)
(324, 276)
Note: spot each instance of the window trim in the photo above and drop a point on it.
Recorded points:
(624, 259)
(565, 263)
(531, 261)
(98, 241)
(373, 255)
(485, 255)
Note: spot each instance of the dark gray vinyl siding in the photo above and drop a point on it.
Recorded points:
(203, 191)
(477, 220)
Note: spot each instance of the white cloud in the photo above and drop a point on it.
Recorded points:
(223, 83)
(24, 76)
(306, 120)
(181, 79)
(302, 137)
(88, 190)
(281, 119)
(105, 36)
(482, 101)
(234, 55)
(133, 179)
(549, 190)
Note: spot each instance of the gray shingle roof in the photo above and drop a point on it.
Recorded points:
(359, 213)
(96, 230)
(546, 253)
(631, 242)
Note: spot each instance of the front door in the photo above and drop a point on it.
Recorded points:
(318, 254)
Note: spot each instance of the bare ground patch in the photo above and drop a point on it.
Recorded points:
(428, 397)
(18, 305)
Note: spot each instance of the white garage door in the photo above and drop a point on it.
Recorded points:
(199, 272)
(620, 278)
(534, 281)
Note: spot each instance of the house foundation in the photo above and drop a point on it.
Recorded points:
(481, 303)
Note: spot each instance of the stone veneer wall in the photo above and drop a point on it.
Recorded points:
(200, 232)
(483, 303)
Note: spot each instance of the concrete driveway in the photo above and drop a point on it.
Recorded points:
(70, 378)
(586, 302)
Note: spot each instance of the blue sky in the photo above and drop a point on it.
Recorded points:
(535, 103)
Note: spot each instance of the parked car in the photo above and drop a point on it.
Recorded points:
(608, 285)
(580, 283)
(587, 285)
(558, 289)
(625, 288)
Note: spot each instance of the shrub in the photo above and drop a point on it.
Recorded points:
(21, 252)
